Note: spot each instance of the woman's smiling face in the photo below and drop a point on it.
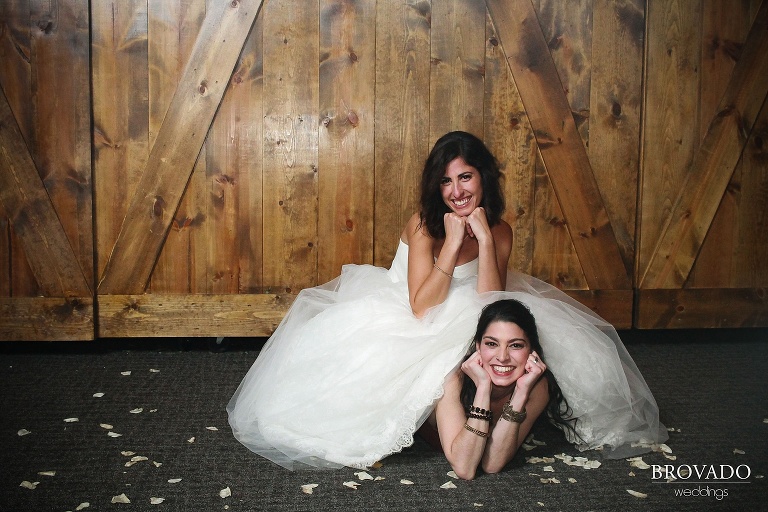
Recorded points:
(504, 350)
(461, 187)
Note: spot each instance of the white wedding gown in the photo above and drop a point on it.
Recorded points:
(350, 374)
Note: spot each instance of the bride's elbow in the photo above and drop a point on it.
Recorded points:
(465, 473)
(417, 311)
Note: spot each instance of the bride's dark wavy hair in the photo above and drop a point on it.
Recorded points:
(514, 311)
(475, 153)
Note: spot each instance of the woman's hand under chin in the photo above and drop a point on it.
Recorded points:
(534, 369)
(473, 368)
(477, 225)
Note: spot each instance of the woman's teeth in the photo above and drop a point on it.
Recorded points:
(502, 369)
(461, 202)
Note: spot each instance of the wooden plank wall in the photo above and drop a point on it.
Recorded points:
(311, 155)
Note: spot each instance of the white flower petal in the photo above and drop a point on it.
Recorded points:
(106, 426)
(120, 498)
(138, 410)
(28, 485)
(452, 474)
(191, 439)
(156, 501)
(448, 485)
(157, 464)
(351, 484)
(23, 432)
(362, 475)
(71, 420)
(548, 468)
(637, 494)
(126, 373)
(83, 506)
(308, 488)
(47, 473)
(736, 451)
(152, 370)
(174, 480)
(225, 492)
(128, 454)
(114, 434)
(212, 428)
(98, 395)
(406, 482)
(572, 480)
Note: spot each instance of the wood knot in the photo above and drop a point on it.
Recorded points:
(203, 87)
(45, 26)
(158, 206)
(352, 118)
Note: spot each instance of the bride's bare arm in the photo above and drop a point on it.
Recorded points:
(430, 280)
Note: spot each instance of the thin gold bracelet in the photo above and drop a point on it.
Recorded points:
(475, 431)
(441, 270)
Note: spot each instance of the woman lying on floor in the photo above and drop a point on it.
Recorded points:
(494, 398)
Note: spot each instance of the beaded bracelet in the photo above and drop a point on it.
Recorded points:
(480, 413)
(475, 431)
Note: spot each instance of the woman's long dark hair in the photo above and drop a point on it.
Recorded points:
(475, 153)
(513, 311)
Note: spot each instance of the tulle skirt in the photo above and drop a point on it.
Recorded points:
(350, 374)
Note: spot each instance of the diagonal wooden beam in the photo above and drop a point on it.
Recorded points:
(713, 164)
(177, 146)
(33, 217)
(559, 142)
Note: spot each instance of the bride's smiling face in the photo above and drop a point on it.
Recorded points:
(504, 350)
(461, 187)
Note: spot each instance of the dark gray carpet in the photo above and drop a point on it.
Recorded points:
(710, 385)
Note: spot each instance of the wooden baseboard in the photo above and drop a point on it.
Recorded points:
(615, 306)
(701, 308)
(124, 316)
(46, 319)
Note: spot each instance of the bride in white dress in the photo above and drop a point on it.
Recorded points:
(357, 364)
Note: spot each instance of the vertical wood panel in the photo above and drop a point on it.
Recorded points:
(346, 159)
(402, 117)
(750, 262)
(290, 143)
(509, 136)
(15, 67)
(615, 112)
(567, 29)
(246, 94)
(172, 27)
(725, 27)
(16, 82)
(671, 114)
(554, 257)
(457, 58)
(120, 113)
(5, 257)
(61, 103)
